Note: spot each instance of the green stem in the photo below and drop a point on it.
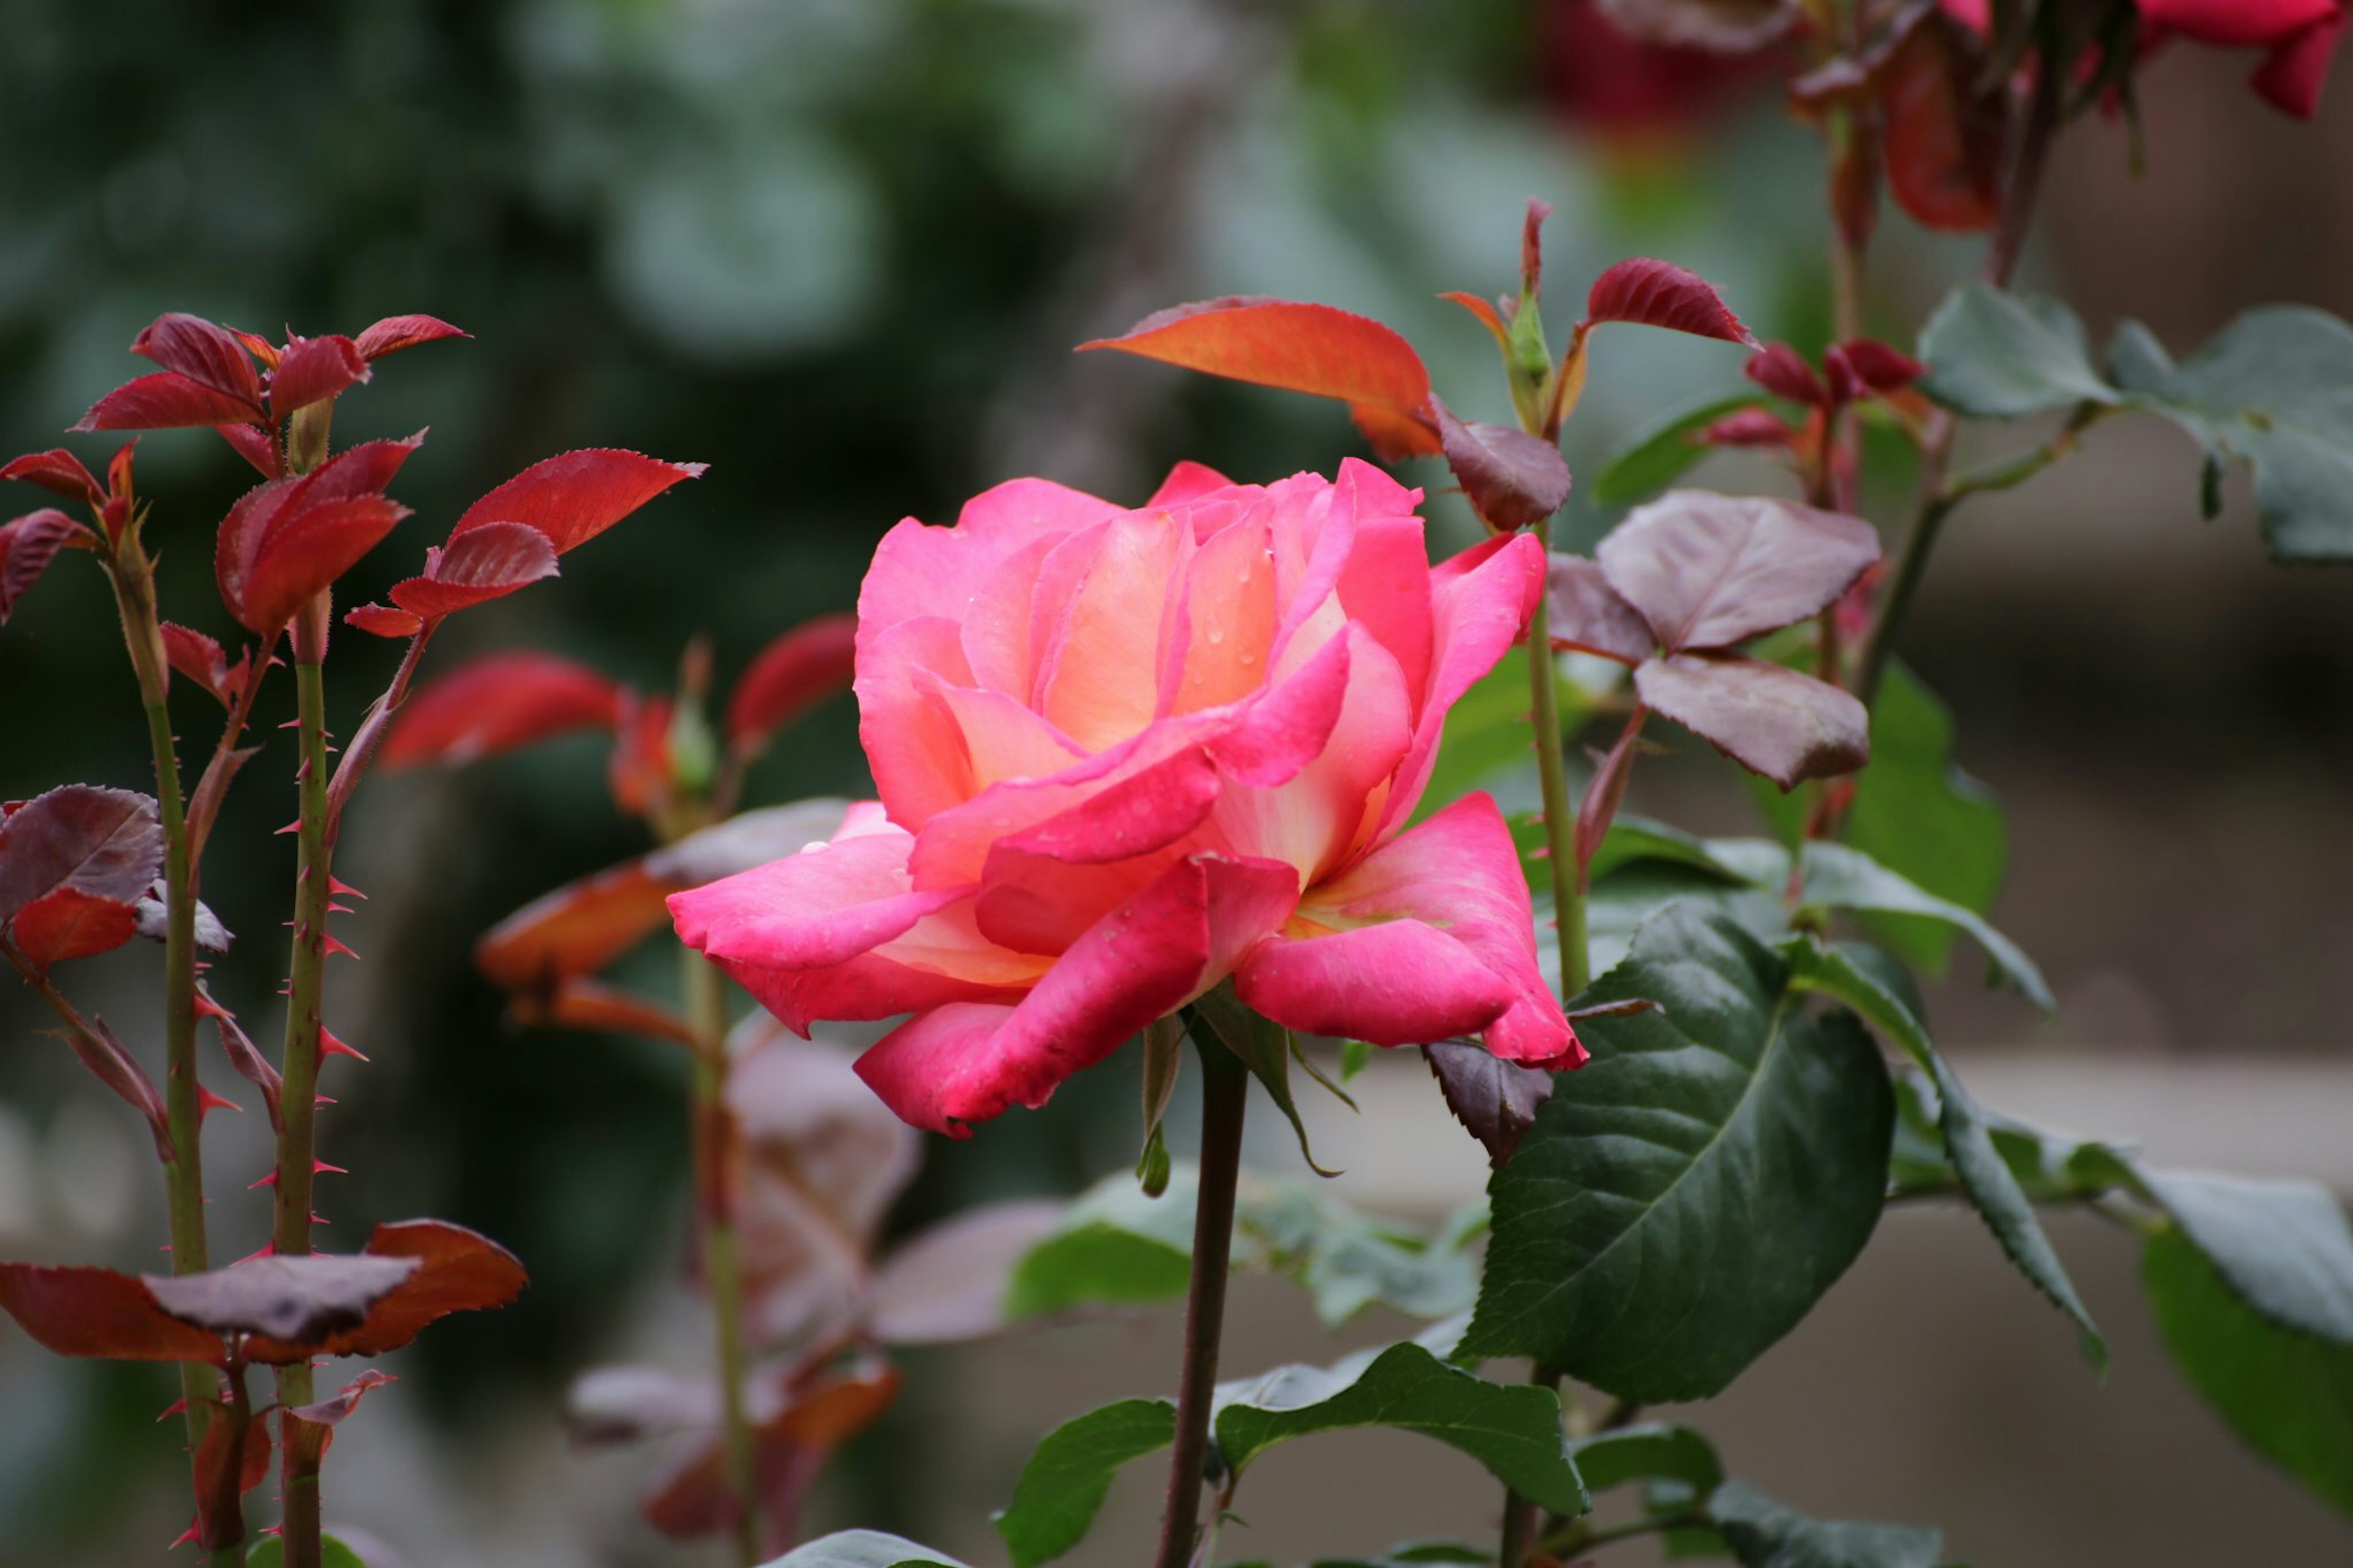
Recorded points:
(299, 1096)
(1577, 1538)
(1560, 817)
(714, 1188)
(1225, 1095)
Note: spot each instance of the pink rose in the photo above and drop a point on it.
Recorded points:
(1125, 755)
(2302, 36)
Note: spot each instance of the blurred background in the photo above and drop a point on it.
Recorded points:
(839, 250)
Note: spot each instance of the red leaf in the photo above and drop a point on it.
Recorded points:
(576, 496)
(165, 401)
(313, 369)
(1583, 611)
(1749, 428)
(456, 1270)
(791, 676)
(204, 353)
(99, 1313)
(498, 703)
(286, 540)
(394, 333)
(1532, 247)
(1883, 369)
(576, 930)
(383, 621)
(113, 1066)
(1489, 316)
(1709, 570)
(70, 923)
(1660, 294)
(1305, 348)
(1783, 372)
(1769, 719)
(233, 1459)
(58, 471)
(1512, 479)
(475, 567)
(639, 768)
(1946, 140)
(105, 843)
(200, 658)
(286, 1301)
(243, 1054)
(257, 445)
(27, 545)
(1392, 435)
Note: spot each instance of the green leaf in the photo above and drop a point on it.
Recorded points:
(1763, 1533)
(1348, 1261)
(1062, 1486)
(2000, 355)
(863, 1549)
(2274, 389)
(1685, 1198)
(1265, 1047)
(1840, 876)
(1415, 1554)
(1116, 1248)
(1662, 451)
(271, 1552)
(1861, 979)
(2283, 1246)
(1515, 1430)
(2289, 1395)
(1662, 1451)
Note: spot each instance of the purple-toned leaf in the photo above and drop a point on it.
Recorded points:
(105, 843)
(27, 545)
(1584, 612)
(610, 1404)
(1769, 719)
(298, 1299)
(573, 496)
(1783, 372)
(1603, 795)
(58, 471)
(204, 353)
(475, 567)
(1494, 1099)
(1314, 349)
(394, 333)
(1653, 293)
(1722, 26)
(789, 677)
(312, 370)
(1709, 570)
(165, 401)
(99, 1313)
(498, 703)
(1512, 479)
(948, 1283)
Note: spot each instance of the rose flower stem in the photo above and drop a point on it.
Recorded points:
(714, 1209)
(1560, 820)
(183, 1174)
(1225, 1095)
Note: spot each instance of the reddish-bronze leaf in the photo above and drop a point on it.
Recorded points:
(99, 1313)
(232, 1461)
(383, 621)
(455, 1270)
(1494, 1099)
(1748, 427)
(204, 353)
(1584, 612)
(106, 843)
(243, 1055)
(256, 445)
(475, 567)
(589, 1005)
(1767, 718)
(576, 930)
(1301, 348)
(1882, 369)
(1512, 479)
(165, 401)
(789, 677)
(576, 496)
(27, 545)
(498, 703)
(394, 333)
(113, 1066)
(70, 923)
(200, 658)
(1945, 140)
(58, 471)
(799, 1424)
(1783, 372)
(1709, 570)
(638, 771)
(1660, 294)
(312, 370)
(295, 1299)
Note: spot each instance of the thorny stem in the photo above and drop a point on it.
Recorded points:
(714, 1207)
(1225, 1095)
(298, 1099)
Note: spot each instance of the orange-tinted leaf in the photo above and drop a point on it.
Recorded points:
(204, 353)
(165, 400)
(105, 843)
(457, 1270)
(1659, 294)
(1489, 316)
(58, 471)
(99, 1313)
(475, 567)
(575, 930)
(587, 1004)
(498, 703)
(27, 545)
(639, 770)
(1299, 347)
(1392, 435)
(383, 621)
(312, 370)
(577, 495)
(1946, 140)
(789, 677)
(1769, 719)
(200, 658)
(299, 1299)
(394, 333)
(70, 923)
(1512, 479)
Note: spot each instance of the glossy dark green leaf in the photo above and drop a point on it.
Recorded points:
(1062, 1486)
(1994, 354)
(863, 1549)
(1858, 977)
(1663, 451)
(1686, 1197)
(1763, 1533)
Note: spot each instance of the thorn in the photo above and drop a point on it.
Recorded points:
(269, 1181)
(286, 989)
(320, 1168)
(341, 889)
(185, 1538)
(335, 909)
(333, 945)
(294, 827)
(266, 1249)
(1541, 852)
(329, 1046)
(302, 773)
(177, 1408)
(208, 1008)
(325, 1100)
(291, 724)
(318, 1218)
(206, 1100)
